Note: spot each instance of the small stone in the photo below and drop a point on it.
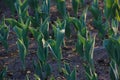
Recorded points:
(28, 72)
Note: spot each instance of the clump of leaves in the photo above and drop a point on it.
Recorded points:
(112, 9)
(42, 71)
(97, 19)
(4, 32)
(55, 44)
(3, 73)
(67, 72)
(112, 46)
(20, 26)
(61, 6)
(85, 47)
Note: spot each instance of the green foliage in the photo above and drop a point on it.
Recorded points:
(36, 77)
(42, 51)
(80, 45)
(85, 47)
(22, 10)
(114, 73)
(94, 9)
(75, 5)
(39, 24)
(22, 51)
(38, 69)
(46, 7)
(61, 6)
(42, 71)
(4, 32)
(14, 22)
(67, 72)
(27, 77)
(22, 35)
(90, 73)
(108, 8)
(44, 28)
(52, 78)
(42, 68)
(101, 27)
(97, 19)
(35, 19)
(41, 12)
(3, 73)
(112, 46)
(55, 45)
(20, 26)
(10, 4)
(34, 4)
(23, 41)
(114, 27)
(68, 25)
(112, 9)
(80, 24)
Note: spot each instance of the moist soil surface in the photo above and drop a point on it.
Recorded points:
(12, 59)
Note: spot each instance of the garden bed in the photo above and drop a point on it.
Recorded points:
(13, 63)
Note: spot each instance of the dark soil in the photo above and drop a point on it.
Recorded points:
(12, 60)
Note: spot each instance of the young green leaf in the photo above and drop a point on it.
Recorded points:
(22, 51)
(75, 5)
(61, 6)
